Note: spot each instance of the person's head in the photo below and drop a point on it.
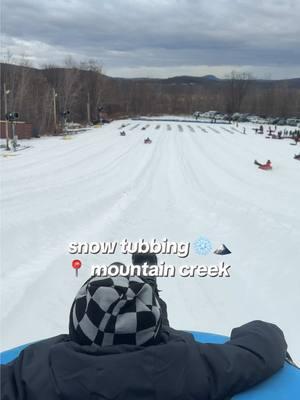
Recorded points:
(269, 162)
(115, 310)
(144, 258)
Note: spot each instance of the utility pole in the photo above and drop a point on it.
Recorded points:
(14, 142)
(88, 109)
(6, 92)
(54, 109)
(12, 118)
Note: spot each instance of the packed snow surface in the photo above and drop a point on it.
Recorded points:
(194, 180)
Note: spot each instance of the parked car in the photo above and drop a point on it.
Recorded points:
(281, 122)
(292, 121)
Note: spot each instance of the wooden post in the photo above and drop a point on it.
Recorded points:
(54, 109)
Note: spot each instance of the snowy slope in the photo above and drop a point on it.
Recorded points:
(197, 180)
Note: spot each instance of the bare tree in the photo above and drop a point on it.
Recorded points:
(237, 87)
(31, 94)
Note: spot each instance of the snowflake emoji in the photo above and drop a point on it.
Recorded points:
(202, 246)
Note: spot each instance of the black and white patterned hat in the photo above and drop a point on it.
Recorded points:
(115, 310)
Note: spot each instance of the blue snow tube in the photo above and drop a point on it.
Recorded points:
(9, 355)
(284, 385)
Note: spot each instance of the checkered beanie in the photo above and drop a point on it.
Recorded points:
(115, 310)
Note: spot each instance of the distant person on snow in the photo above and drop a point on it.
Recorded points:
(119, 347)
(261, 129)
(268, 164)
(297, 156)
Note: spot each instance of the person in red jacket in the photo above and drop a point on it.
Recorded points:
(267, 165)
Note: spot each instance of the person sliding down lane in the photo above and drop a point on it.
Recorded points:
(267, 165)
(119, 348)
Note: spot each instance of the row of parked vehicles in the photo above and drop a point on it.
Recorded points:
(246, 117)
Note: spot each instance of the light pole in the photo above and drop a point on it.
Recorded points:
(65, 117)
(12, 117)
(6, 92)
(14, 142)
(100, 110)
(54, 108)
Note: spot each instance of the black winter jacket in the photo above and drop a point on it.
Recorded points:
(176, 368)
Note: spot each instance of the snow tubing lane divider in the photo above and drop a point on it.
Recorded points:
(284, 385)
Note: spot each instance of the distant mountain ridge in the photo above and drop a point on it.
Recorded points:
(192, 79)
(181, 79)
(205, 79)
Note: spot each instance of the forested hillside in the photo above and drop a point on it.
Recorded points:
(32, 94)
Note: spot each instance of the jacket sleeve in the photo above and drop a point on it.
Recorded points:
(164, 312)
(13, 374)
(254, 352)
(11, 380)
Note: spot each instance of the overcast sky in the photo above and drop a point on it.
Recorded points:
(157, 38)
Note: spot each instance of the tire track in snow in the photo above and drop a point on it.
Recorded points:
(36, 271)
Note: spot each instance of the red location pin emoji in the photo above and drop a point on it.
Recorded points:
(76, 264)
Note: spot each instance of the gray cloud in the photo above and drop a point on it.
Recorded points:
(165, 35)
